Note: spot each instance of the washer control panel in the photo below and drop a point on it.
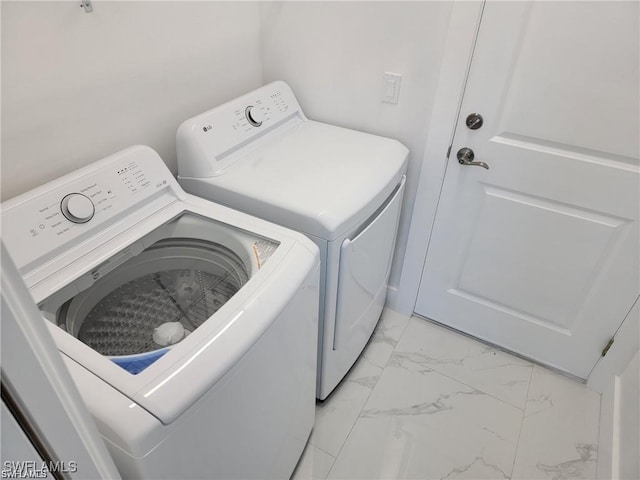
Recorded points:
(44, 219)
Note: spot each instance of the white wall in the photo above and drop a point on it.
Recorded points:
(626, 344)
(629, 455)
(619, 444)
(617, 376)
(77, 87)
(334, 54)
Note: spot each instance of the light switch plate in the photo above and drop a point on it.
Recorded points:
(391, 87)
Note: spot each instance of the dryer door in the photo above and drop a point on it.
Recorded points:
(365, 263)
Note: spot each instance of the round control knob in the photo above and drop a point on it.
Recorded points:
(254, 115)
(77, 208)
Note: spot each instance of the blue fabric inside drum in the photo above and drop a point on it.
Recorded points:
(138, 363)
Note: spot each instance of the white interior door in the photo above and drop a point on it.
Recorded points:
(539, 253)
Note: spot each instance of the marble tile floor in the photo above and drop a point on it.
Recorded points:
(423, 402)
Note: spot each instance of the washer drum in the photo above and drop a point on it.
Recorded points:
(154, 300)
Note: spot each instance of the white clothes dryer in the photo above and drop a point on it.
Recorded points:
(342, 188)
(189, 328)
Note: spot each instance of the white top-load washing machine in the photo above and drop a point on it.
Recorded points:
(342, 188)
(189, 328)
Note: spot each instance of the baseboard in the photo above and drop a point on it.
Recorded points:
(394, 302)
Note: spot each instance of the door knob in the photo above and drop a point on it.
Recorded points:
(465, 157)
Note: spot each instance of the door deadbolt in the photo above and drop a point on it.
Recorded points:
(474, 121)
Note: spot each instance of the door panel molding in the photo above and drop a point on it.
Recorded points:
(606, 229)
(555, 206)
(573, 152)
(509, 311)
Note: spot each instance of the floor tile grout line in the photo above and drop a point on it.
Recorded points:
(515, 455)
(435, 369)
(309, 442)
(480, 390)
(368, 396)
(535, 371)
(475, 340)
(333, 462)
(502, 349)
(345, 379)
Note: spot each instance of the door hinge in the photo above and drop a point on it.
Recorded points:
(607, 347)
(449, 151)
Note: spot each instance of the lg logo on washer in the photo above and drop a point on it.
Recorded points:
(206, 128)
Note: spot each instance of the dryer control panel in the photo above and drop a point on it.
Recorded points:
(209, 138)
(41, 222)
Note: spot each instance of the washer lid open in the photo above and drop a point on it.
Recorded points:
(138, 307)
